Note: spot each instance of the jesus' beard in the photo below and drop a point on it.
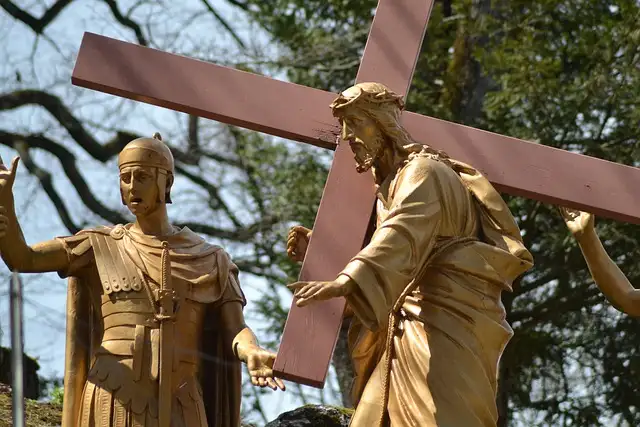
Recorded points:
(363, 166)
(373, 152)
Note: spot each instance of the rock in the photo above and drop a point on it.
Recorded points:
(5, 389)
(31, 379)
(314, 416)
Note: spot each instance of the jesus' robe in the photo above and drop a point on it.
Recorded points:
(451, 330)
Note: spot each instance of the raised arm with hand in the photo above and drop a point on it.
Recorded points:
(45, 256)
(606, 274)
(297, 242)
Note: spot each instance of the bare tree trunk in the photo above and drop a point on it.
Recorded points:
(502, 399)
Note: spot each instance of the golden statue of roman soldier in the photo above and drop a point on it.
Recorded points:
(155, 329)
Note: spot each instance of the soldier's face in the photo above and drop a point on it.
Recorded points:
(364, 137)
(139, 189)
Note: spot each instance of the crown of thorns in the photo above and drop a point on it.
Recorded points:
(364, 96)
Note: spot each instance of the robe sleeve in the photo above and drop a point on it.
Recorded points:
(79, 253)
(400, 244)
(228, 277)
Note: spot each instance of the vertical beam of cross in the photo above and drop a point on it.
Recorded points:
(17, 351)
(311, 332)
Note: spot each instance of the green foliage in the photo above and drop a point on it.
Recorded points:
(284, 181)
(321, 40)
(57, 395)
(559, 72)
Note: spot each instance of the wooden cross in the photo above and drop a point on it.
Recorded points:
(302, 114)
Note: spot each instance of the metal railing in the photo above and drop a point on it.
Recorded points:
(17, 351)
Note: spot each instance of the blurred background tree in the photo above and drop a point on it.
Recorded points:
(564, 73)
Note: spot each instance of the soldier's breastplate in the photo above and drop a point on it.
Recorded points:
(131, 329)
(117, 272)
(126, 301)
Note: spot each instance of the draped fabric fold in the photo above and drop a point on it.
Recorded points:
(451, 330)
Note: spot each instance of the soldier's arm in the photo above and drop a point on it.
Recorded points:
(241, 337)
(42, 257)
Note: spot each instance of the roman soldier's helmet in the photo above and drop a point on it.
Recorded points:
(151, 152)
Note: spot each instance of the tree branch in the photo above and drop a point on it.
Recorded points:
(68, 162)
(241, 235)
(37, 25)
(214, 194)
(55, 107)
(224, 23)
(194, 138)
(60, 112)
(46, 182)
(127, 22)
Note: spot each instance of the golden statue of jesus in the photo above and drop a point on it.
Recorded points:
(429, 325)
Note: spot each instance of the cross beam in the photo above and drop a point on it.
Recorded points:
(302, 114)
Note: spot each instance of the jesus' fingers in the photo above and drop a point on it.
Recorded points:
(275, 383)
(568, 213)
(318, 293)
(310, 289)
(295, 287)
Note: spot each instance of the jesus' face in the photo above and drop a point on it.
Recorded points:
(364, 137)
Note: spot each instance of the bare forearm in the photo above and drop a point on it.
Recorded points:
(608, 276)
(13, 248)
(240, 336)
(43, 257)
(244, 342)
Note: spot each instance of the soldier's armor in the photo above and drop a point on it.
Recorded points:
(127, 361)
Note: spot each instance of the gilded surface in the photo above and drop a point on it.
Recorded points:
(155, 331)
(123, 380)
(430, 326)
(606, 274)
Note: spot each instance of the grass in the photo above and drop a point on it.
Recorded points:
(37, 414)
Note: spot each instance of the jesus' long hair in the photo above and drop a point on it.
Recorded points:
(384, 107)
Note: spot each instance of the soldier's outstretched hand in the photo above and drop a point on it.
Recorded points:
(260, 363)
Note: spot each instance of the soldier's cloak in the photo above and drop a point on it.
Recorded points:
(206, 269)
